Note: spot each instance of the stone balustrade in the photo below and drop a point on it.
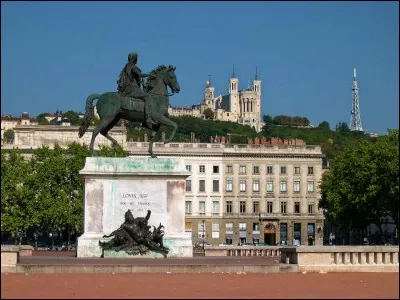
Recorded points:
(242, 251)
(9, 258)
(10, 255)
(343, 258)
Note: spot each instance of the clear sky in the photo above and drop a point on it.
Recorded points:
(55, 54)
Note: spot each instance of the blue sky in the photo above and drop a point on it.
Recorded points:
(54, 54)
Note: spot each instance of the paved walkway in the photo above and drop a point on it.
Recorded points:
(206, 286)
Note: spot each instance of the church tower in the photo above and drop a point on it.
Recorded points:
(257, 90)
(209, 95)
(233, 92)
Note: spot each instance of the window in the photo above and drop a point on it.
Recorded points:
(188, 185)
(228, 207)
(283, 207)
(283, 186)
(189, 168)
(310, 186)
(215, 231)
(202, 185)
(296, 170)
(269, 207)
(256, 226)
(310, 170)
(202, 207)
(188, 227)
(229, 227)
(256, 207)
(242, 170)
(269, 186)
(256, 170)
(215, 169)
(215, 207)
(296, 187)
(229, 185)
(297, 207)
(242, 207)
(215, 185)
(283, 170)
(188, 207)
(242, 226)
(256, 185)
(283, 235)
(229, 169)
(297, 233)
(269, 170)
(310, 207)
(242, 185)
(202, 169)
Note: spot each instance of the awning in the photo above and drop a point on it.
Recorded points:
(256, 236)
(229, 236)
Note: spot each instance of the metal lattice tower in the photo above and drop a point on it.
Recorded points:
(355, 123)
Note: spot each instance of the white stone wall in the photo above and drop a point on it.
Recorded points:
(48, 135)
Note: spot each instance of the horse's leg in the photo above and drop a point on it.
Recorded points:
(165, 121)
(154, 132)
(99, 128)
(104, 132)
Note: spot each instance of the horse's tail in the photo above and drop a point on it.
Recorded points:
(88, 114)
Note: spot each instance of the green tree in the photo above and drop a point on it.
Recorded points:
(362, 185)
(208, 114)
(342, 128)
(73, 117)
(42, 120)
(9, 135)
(18, 209)
(267, 119)
(324, 125)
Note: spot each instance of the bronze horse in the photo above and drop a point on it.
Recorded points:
(112, 106)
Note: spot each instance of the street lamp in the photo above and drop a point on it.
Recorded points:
(52, 240)
(204, 235)
(35, 235)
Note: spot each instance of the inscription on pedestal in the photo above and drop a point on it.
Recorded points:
(138, 196)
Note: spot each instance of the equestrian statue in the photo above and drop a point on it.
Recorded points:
(148, 106)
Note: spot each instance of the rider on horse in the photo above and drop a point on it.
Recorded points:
(129, 85)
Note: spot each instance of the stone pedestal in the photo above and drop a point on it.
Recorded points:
(114, 185)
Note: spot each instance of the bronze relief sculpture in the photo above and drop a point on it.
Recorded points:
(134, 237)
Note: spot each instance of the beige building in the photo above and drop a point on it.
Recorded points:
(239, 106)
(10, 122)
(249, 193)
(32, 137)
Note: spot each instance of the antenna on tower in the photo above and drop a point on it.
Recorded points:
(256, 73)
(233, 73)
(355, 123)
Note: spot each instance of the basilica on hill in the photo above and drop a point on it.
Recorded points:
(239, 106)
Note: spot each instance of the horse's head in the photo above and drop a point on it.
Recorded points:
(170, 79)
(162, 77)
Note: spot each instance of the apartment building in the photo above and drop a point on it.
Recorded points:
(239, 194)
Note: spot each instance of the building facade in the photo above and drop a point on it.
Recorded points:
(240, 194)
(239, 106)
(10, 122)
